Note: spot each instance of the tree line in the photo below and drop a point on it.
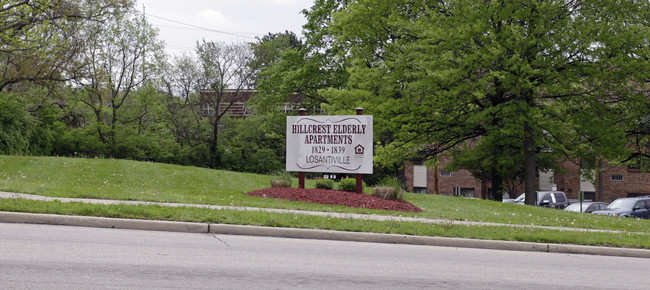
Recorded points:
(507, 88)
(92, 79)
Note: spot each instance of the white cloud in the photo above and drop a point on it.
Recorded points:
(284, 2)
(215, 20)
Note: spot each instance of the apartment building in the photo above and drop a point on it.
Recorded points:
(610, 183)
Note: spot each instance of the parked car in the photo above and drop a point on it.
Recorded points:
(519, 199)
(506, 198)
(587, 206)
(554, 199)
(638, 207)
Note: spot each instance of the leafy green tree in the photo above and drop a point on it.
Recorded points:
(269, 49)
(22, 133)
(249, 147)
(228, 76)
(553, 74)
(16, 125)
(121, 55)
(41, 39)
(182, 85)
(306, 69)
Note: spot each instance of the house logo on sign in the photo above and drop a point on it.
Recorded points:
(359, 149)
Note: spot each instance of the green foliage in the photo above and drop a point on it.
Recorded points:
(316, 65)
(268, 49)
(251, 147)
(41, 39)
(500, 86)
(325, 184)
(80, 142)
(115, 89)
(16, 125)
(22, 133)
(347, 184)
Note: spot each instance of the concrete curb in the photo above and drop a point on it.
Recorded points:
(426, 241)
(133, 224)
(99, 222)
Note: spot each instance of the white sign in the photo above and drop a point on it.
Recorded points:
(332, 144)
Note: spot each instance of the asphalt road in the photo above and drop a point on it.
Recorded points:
(65, 257)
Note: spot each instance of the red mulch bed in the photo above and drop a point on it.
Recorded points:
(335, 197)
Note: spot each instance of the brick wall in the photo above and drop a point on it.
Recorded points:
(437, 184)
(462, 178)
(635, 182)
(568, 181)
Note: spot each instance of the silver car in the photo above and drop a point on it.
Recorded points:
(554, 199)
(587, 206)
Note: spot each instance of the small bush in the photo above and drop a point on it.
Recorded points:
(348, 184)
(280, 183)
(281, 179)
(389, 188)
(325, 184)
(388, 193)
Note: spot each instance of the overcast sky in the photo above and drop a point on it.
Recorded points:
(182, 23)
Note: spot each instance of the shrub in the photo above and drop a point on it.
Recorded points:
(281, 179)
(385, 193)
(348, 184)
(325, 184)
(17, 125)
(280, 183)
(389, 188)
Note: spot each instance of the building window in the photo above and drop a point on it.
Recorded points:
(420, 176)
(207, 110)
(289, 108)
(465, 192)
(617, 177)
(445, 173)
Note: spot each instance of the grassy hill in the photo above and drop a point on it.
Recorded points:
(145, 181)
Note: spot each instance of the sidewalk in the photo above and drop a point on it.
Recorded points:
(302, 212)
(305, 233)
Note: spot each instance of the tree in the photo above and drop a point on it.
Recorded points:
(228, 75)
(17, 126)
(120, 56)
(182, 84)
(304, 70)
(249, 147)
(41, 39)
(551, 76)
(268, 50)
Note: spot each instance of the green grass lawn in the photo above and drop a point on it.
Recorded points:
(145, 181)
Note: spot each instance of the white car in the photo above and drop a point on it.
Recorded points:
(554, 199)
(587, 206)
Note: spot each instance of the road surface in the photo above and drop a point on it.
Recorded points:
(64, 257)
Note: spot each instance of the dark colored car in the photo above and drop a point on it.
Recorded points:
(638, 207)
(553, 199)
(587, 206)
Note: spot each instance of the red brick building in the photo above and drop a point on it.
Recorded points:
(610, 183)
(235, 103)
